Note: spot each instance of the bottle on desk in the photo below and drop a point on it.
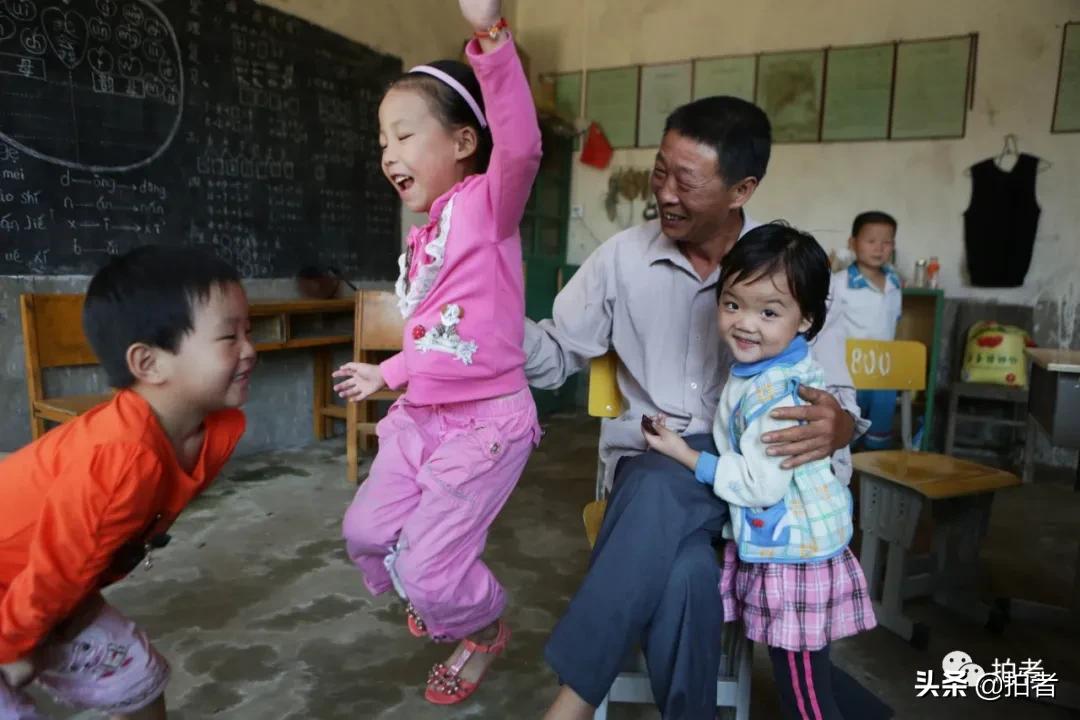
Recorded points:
(919, 280)
(933, 269)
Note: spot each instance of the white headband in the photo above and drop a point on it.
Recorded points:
(458, 88)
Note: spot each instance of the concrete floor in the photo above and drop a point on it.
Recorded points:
(262, 617)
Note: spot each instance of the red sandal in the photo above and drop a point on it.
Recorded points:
(445, 686)
(417, 628)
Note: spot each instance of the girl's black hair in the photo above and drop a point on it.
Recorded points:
(777, 246)
(448, 105)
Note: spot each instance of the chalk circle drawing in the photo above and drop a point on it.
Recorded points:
(85, 60)
(8, 28)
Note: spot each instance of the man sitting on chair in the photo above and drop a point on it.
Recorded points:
(649, 293)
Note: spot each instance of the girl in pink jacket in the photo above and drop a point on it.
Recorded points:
(453, 447)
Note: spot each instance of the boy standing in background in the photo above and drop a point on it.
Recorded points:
(868, 296)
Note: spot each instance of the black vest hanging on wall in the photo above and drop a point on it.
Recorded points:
(1000, 222)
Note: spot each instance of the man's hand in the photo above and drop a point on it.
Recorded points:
(826, 428)
(18, 673)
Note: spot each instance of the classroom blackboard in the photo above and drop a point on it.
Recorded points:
(219, 123)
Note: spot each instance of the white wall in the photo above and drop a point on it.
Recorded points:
(414, 30)
(820, 187)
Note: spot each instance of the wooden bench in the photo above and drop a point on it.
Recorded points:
(53, 338)
(378, 327)
(898, 487)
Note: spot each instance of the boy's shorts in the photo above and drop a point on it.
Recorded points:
(109, 666)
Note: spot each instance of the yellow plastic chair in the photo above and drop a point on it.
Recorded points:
(896, 486)
(604, 402)
(632, 684)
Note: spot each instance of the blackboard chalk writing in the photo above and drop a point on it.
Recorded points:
(111, 248)
(100, 59)
(39, 263)
(22, 9)
(154, 51)
(133, 14)
(155, 30)
(278, 165)
(33, 41)
(13, 223)
(128, 37)
(66, 33)
(22, 66)
(99, 29)
(101, 182)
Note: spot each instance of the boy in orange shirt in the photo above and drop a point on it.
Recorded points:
(84, 505)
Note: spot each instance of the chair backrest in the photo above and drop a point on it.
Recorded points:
(604, 397)
(887, 364)
(378, 323)
(53, 332)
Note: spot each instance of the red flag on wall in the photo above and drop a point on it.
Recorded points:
(596, 150)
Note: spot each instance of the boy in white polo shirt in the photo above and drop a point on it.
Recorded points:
(868, 296)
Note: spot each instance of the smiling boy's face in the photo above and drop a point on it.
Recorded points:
(212, 365)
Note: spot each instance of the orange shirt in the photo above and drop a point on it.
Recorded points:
(84, 497)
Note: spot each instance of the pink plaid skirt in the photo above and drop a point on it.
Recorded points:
(796, 606)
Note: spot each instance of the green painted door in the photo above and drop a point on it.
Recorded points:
(543, 239)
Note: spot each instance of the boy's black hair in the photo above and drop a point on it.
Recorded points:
(148, 295)
(448, 105)
(776, 247)
(872, 217)
(738, 130)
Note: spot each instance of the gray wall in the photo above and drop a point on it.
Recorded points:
(278, 411)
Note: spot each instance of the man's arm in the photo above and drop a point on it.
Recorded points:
(832, 421)
(580, 324)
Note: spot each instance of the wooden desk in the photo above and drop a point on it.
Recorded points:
(1053, 405)
(319, 325)
(1053, 401)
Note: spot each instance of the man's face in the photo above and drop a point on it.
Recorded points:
(693, 199)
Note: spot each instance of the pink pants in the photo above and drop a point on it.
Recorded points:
(109, 666)
(420, 521)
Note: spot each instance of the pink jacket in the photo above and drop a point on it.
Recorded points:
(463, 295)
